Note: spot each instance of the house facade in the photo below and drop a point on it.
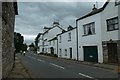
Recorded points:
(110, 32)
(53, 46)
(49, 37)
(98, 34)
(40, 44)
(89, 38)
(67, 44)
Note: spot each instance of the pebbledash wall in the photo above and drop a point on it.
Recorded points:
(9, 10)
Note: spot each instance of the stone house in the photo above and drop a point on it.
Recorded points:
(9, 10)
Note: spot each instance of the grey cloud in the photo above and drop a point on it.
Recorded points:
(33, 16)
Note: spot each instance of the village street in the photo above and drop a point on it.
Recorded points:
(40, 66)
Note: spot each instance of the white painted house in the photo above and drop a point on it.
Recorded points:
(89, 37)
(40, 44)
(95, 32)
(110, 31)
(67, 47)
(53, 45)
(49, 38)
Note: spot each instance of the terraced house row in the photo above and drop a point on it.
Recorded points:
(95, 38)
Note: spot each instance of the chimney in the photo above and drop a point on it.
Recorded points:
(94, 8)
(56, 24)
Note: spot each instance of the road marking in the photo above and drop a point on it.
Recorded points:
(40, 60)
(57, 66)
(31, 57)
(87, 76)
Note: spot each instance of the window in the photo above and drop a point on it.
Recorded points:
(60, 39)
(69, 36)
(53, 42)
(50, 42)
(112, 24)
(60, 52)
(89, 29)
(117, 2)
(65, 52)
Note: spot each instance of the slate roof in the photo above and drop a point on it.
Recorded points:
(52, 28)
(55, 38)
(95, 11)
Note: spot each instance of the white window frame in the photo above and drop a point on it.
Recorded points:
(89, 29)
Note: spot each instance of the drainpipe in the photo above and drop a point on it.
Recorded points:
(57, 46)
(43, 43)
(77, 39)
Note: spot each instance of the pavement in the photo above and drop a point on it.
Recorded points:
(18, 71)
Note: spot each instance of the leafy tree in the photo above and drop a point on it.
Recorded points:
(31, 45)
(18, 42)
(24, 47)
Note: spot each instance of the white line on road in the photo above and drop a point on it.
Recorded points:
(57, 66)
(40, 60)
(87, 76)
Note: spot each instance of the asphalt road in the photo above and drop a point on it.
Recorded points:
(41, 66)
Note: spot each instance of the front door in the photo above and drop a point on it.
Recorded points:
(71, 53)
(52, 50)
(112, 53)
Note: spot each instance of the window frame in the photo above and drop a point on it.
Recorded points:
(88, 26)
(112, 24)
(60, 39)
(117, 2)
(69, 36)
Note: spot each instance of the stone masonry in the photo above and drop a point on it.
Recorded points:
(9, 10)
(0, 40)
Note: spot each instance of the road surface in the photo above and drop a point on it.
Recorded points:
(41, 66)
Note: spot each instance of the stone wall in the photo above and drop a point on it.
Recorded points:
(119, 32)
(105, 49)
(0, 40)
(8, 19)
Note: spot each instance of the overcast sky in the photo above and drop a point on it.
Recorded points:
(33, 16)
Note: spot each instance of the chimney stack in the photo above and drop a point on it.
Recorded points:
(94, 8)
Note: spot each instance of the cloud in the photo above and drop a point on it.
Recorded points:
(33, 16)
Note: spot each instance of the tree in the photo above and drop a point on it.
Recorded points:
(24, 47)
(31, 45)
(18, 42)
